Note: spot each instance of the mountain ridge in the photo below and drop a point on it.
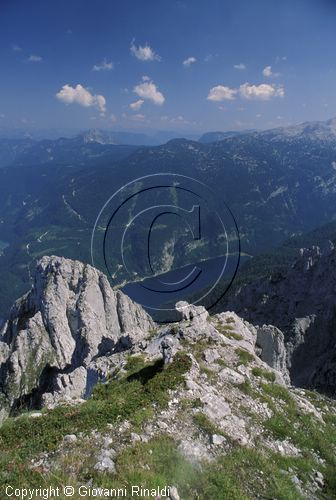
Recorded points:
(274, 188)
(208, 396)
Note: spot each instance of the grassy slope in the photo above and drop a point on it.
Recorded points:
(243, 473)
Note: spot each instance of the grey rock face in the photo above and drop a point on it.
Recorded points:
(301, 303)
(105, 462)
(217, 439)
(71, 331)
(56, 332)
(173, 493)
(270, 340)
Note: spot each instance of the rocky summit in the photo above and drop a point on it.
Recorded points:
(94, 393)
(58, 337)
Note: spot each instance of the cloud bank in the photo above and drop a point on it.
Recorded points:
(262, 92)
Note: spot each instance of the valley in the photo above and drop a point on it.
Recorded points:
(276, 183)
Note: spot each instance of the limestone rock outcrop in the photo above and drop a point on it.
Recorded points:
(55, 332)
(71, 330)
(271, 342)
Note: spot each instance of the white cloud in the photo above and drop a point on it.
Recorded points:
(209, 58)
(81, 96)
(103, 66)
(262, 92)
(34, 58)
(113, 118)
(148, 90)
(16, 48)
(174, 119)
(267, 71)
(138, 118)
(239, 66)
(136, 105)
(145, 53)
(221, 93)
(189, 61)
(145, 78)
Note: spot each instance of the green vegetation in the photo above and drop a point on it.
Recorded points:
(188, 404)
(199, 347)
(134, 363)
(221, 363)
(234, 335)
(211, 374)
(260, 372)
(243, 473)
(244, 356)
(227, 329)
(152, 333)
(304, 430)
(205, 424)
(247, 388)
(133, 398)
(278, 392)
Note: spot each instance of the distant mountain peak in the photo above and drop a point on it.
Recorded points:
(314, 130)
(98, 136)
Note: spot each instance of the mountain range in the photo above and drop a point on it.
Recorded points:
(85, 148)
(94, 392)
(277, 183)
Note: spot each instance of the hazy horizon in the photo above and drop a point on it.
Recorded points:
(54, 132)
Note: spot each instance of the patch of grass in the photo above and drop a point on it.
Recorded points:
(221, 363)
(187, 404)
(227, 329)
(205, 424)
(160, 463)
(131, 398)
(199, 347)
(230, 319)
(278, 392)
(234, 336)
(211, 375)
(174, 330)
(242, 474)
(134, 363)
(258, 474)
(152, 332)
(306, 432)
(260, 372)
(244, 356)
(246, 388)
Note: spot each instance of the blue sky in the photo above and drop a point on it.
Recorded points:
(171, 65)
